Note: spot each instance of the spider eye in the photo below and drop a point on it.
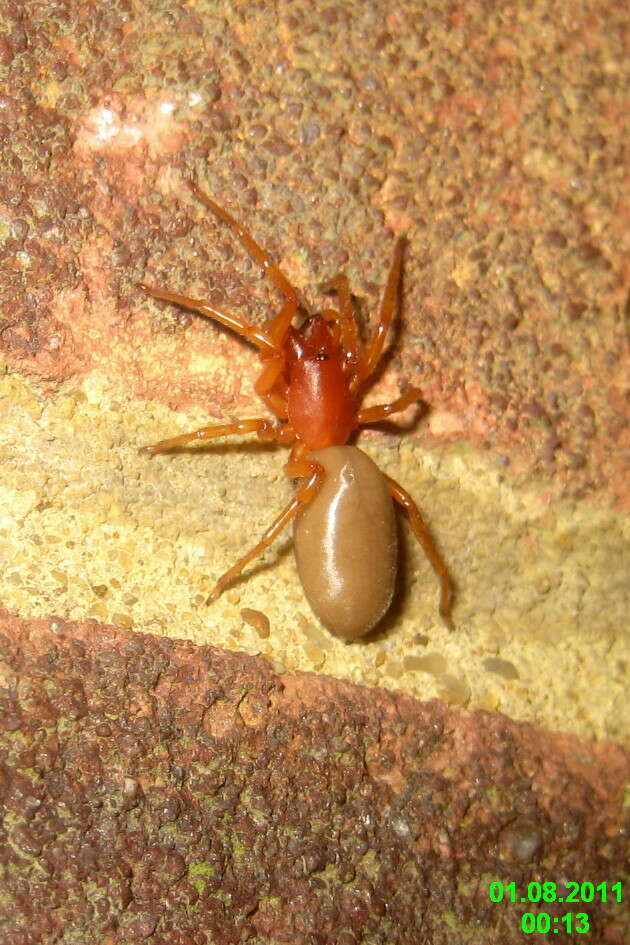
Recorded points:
(322, 356)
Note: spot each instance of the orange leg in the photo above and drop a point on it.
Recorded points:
(382, 411)
(278, 326)
(345, 318)
(257, 336)
(256, 251)
(265, 429)
(298, 465)
(303, 496)
(270, 376)
(389, 306)
(423, 535)
(270, 385)
(242, 327)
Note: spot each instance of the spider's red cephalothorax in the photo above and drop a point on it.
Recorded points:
(312, 381)
(320, 405)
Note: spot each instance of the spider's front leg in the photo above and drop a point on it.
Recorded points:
(241, 326)
(389, 307)
(382, 411)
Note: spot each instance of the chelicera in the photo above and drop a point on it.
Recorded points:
(312, 380)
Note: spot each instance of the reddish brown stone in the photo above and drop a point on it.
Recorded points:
(491, 134)
(176, 794)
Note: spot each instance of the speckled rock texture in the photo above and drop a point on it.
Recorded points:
(147, 783)
(155, 791)
(492, 135)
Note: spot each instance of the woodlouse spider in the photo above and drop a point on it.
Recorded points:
(312, 380)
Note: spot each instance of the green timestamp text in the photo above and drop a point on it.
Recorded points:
(542, 922)
(571, 892)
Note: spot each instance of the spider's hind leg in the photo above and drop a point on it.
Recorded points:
(422, 533)
(307, 469)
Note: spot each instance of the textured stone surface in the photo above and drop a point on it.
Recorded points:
(154, 791)
(491, 134)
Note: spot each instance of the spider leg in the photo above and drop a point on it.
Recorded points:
(298, 465)
(260, 255)
(256, 336)
(269, 339)
(389, 307)
(270, 385)
(265, 429)
(314, 474)
(422, 533)
(278, 326)
(349, 334)
(275, 400)
(381, 411)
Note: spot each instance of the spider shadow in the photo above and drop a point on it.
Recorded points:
(219, 449)
(250, 447)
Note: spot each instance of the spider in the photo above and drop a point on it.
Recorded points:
(312, 380)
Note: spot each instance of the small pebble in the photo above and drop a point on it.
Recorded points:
(257, 620)
(501, 667)
(433, 663)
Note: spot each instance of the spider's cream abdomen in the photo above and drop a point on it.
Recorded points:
(345, 543)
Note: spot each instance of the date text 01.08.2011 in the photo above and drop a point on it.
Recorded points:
(570, 892)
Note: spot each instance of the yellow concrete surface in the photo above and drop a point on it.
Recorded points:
(89, 527)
